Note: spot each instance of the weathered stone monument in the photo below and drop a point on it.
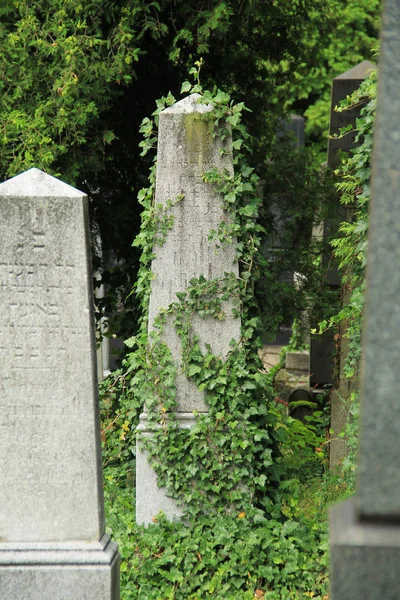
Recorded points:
(365, 531)
(327, 356)
(53, 544)
(186, 150)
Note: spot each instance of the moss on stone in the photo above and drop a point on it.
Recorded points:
(198, 140)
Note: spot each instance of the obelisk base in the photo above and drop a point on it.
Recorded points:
(59, 571)
(150, 499)
(365, 556)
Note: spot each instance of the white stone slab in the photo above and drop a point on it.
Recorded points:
(50, 455)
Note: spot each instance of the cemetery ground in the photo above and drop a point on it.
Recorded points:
(237, 556)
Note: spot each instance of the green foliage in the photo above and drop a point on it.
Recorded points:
(231, 555)
(351, 435)
(226, 460)
(348, 36)
(350, 249)
(119, 419)
(58, 69)
(240, 556)
(77, 79)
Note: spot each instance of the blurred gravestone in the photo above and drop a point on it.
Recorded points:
(322, 347)
(186, 150)
(365, 530)
(53, 544)
(293, 127)
(344, 85)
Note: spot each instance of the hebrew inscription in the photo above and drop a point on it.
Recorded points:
(49, 454)
(186, 151)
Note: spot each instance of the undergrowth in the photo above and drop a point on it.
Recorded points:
(240, 556)
(256, 526)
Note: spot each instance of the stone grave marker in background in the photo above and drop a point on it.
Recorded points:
(323, 347)
(273, 342)
(186, 150)
(342, 86)
(365, 530)
(343, 386)
(53, 544)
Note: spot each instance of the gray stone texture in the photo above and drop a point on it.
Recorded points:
(379, 474)
(337, 444)
(365, 532)
(340, 397)
(50, 455)
(298, 360)
(288, 380)
(186, 150)
(364, 556)
(270, 356)
(63, 571)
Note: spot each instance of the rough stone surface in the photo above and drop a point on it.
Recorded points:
(364, 556)
(186, 150)
(80, 571)
(298, 360)
(365, 532)
(50, 457)
(380, 385)
(337, 445)
(270, 356)
(287, 380)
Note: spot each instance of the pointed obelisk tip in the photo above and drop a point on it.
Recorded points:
(36, 183)
(187, 105)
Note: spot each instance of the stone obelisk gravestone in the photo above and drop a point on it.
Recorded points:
(365, 531)
(186, 150)
(52, 540)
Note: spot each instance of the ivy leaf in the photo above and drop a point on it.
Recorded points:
(186, 87)
(193, 370)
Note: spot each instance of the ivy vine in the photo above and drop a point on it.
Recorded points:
(350, 247)
(229, 460)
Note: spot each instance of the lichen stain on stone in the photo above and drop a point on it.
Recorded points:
(198, 138)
